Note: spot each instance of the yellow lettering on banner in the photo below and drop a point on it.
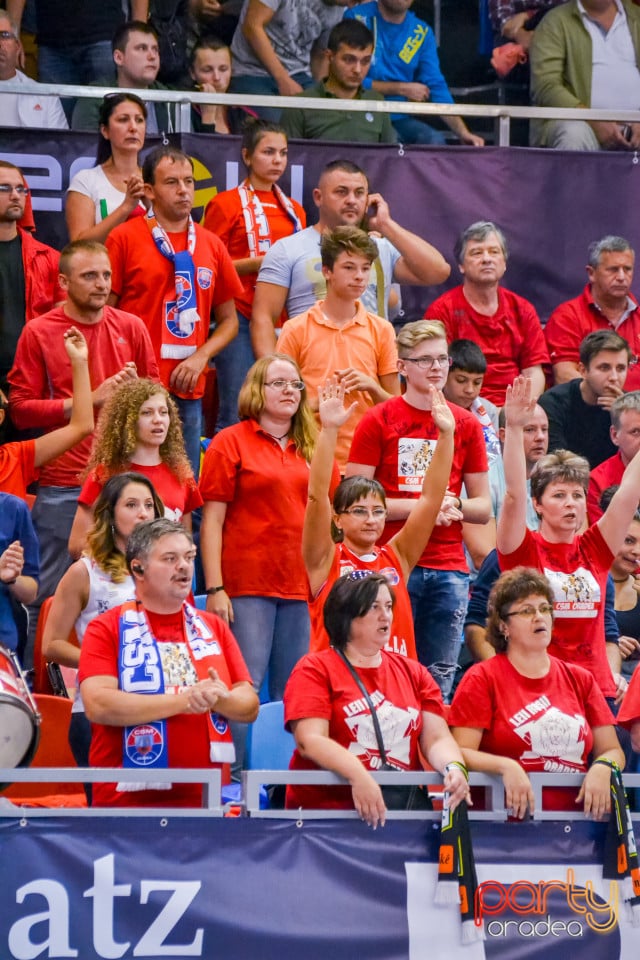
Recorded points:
(413, 44)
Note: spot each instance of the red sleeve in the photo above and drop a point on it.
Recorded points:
(564, 334)
(238, 672)
(534, 346)
(525, 555)
(143, 352)
(307, 693)
(115, 244)
(441, 309)
(475, 460)
(367, 445)
(472, 704)
(218, 218)
(227, 282)
(29, 383)
(193, 499)
(99, 652)
(629, 712)
(594, 492)
(428, 690)
(219, 469)
(91, 490)
(596, 708)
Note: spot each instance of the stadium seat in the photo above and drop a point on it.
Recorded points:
(269, 745)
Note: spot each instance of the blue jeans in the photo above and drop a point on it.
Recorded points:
(413, 130)
(439, 603)
(78, 64)
(268, 86)
(272, 635)
(191, 416)
(232, 365)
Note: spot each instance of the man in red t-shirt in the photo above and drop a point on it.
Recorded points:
(161, 680)
(505, 326)
(394, 443)
(625, 434)
(180, 279)
(41, 383)
(604, 304)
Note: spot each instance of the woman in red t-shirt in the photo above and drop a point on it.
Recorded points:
(524, 711)
(139, 429)
(331, 720)
(340, 538)
(576, 564)
(254, 483)
(249, 219)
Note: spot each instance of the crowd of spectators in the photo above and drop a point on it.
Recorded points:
(470, 441)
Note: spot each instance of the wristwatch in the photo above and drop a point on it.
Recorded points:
(210, 591)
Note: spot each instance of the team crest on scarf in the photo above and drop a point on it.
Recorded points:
(205, 276)
(143, 745)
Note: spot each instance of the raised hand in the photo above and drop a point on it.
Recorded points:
(75, 345)
(441, 411)
(520, 402)
(331, 408)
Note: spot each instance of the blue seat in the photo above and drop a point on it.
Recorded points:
(269, 745)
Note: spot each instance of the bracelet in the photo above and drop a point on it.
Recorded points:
(459, 499)
(460, 766)
(210, 591)
(607, 763)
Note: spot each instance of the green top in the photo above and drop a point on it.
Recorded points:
(346, 125)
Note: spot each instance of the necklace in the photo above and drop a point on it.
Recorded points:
(279, 439)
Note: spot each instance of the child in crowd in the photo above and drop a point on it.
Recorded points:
(463, 386)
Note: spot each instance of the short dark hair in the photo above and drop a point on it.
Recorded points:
(351, 33)
(599, 340)
(350, 597)
(109, 103)
(511, 586)
(479, 230)
(347, 166)
(121, 36)
(466, 355)
(348, 492)
(210, 42)
(147, 533)
(346, 239)
(255, 128)
(155, 156)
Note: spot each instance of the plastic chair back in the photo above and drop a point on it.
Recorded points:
(269, 745)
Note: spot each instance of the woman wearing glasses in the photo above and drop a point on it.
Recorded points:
(576, 564)
(343, 538)
(254, 484)
(524, 711)
(104, 196)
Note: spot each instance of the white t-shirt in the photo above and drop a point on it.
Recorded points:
(93, 183)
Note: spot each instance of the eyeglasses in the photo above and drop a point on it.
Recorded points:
(9, 187)
(283, 384)
(529, 612)
(378, 513)
(7, 35)
(428, 363)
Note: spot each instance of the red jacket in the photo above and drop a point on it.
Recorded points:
(40, 264)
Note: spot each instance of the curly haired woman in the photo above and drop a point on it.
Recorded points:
(139, 429)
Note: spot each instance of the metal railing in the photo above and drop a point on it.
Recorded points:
(501, 114)
(254, 780)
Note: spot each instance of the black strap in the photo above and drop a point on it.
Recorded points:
(365, 694)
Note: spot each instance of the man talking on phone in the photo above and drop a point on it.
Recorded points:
(291, 273)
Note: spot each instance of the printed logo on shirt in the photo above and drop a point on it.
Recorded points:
(205, 276)
(575, 594)
(413, 43)
(144, 744)
(414, 459)
(396, 725)
(556, 740)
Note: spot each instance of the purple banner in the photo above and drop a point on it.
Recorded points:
(551, 205)
(242, 889)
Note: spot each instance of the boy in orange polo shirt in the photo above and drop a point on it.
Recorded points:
(337, 337)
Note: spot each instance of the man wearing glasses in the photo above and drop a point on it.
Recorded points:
(505, 326)
(28, 269)
(338, 337)
(27, 108)
(394, 443)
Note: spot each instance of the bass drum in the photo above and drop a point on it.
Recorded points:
(19, 718)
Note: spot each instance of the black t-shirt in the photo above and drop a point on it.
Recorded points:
(575, 425)
(77, 21)
(12, 302)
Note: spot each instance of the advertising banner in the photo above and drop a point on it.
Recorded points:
(244, 889)
(550, 204)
